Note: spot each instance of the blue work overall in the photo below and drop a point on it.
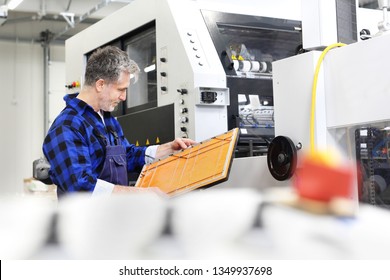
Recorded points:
(115, 164)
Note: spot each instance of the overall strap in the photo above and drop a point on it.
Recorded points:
(113, 132)
(102, 139)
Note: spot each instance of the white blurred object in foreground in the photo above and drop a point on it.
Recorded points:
(24, 226)
(209, 223)
(116, 227)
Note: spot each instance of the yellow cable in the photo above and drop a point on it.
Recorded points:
(314, 92)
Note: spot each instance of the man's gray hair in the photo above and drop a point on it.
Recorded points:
(108, 63)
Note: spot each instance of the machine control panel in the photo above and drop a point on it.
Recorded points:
(182, 91)
(212, 96)
(163, 68)
(183, 110)
(208, 96)
(194, 48)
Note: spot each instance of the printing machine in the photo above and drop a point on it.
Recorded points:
(351, 117)
(205, 68)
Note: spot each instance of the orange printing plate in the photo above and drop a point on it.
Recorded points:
(201, 165)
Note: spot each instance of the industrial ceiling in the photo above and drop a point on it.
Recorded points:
(56, 20)
(53, 20)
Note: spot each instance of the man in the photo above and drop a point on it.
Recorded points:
(85, 145)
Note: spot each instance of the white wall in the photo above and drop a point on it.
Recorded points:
(21, 107)
(56, 89)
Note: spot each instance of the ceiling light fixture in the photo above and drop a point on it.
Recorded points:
(3, 14)
(149, 68)
(13, 4)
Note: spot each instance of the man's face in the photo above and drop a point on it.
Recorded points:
(113, 93)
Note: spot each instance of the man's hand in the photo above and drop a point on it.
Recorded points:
(175, 145)
(181, 143)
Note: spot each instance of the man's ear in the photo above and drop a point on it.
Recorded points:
(99, 85)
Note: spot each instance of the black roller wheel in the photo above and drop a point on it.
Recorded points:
(282, 158)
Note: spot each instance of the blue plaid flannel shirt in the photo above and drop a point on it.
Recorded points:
(75, 152)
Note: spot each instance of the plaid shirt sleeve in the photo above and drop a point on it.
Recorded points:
(72, 168)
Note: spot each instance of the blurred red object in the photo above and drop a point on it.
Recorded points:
(318, 181)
